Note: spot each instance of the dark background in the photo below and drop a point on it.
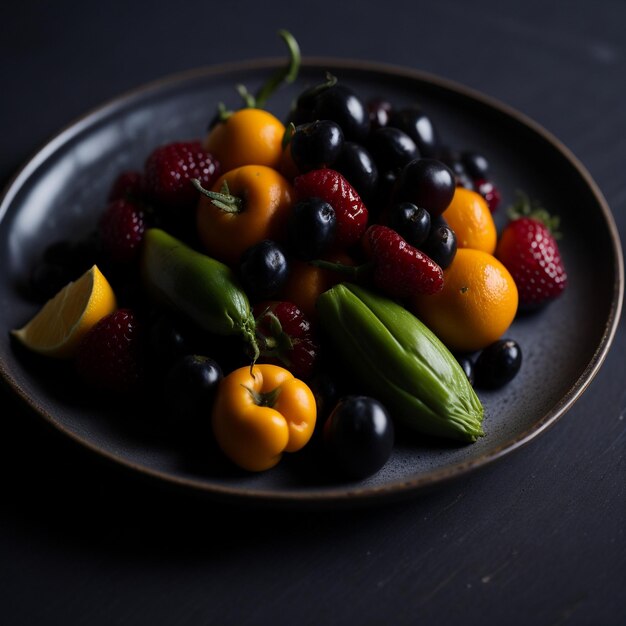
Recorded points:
(537, 538)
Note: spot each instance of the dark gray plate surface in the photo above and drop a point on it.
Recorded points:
(62, 190)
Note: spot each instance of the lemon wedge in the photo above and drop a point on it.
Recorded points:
(56, 330)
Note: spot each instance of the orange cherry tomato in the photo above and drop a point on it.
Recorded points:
(260, 200)
(306, 282)
(287, 167)
(260, 413)
(247, 137)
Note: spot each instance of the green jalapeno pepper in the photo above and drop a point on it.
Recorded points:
(201, 288)
(403, 363)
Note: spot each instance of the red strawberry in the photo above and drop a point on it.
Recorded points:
(128, 185)
(285, 338)
(108, 356)
(121, 230)
(170, 168)
(400, 270)
(528, 249)
(332, 187)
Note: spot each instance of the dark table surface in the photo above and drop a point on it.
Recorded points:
(537, 538)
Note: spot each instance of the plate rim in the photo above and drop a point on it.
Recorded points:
(344, 494)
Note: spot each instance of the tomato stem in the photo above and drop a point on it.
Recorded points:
(287, 74)
(223, 199)
(263, 399)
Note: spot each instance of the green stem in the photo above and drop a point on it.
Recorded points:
(287, 74)
(223, 199)
(525, 207)
(249, 334)
(263, 399)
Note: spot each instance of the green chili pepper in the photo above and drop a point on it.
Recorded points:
(404, 364)
(201, 288)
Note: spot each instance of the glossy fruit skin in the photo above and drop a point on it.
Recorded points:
(312, 227)
(316, 145)
(286, 338)
(400, 270)
(411, 222)
(498, 364)
(530, 252)
(475, 164)
(170, 168)
(109, 355)
(350, 212)
(357, 166)
(199, 288)
(266, 197)
(391, 148)
(417, 125)
(306, 282)
(303, 109)
(379, 111)
(261, 412)
(248, 137)
(190, 387)
(489, 192)
(359, 435)
(340, 104)
(428, 183)
(470, 218)
(263, 269)
(441, 243)
(121, 230)
(476, 306)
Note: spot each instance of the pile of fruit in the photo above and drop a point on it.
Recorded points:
(339, 271)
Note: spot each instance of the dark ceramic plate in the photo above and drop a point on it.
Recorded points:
(63, 188)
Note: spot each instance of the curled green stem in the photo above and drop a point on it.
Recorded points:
(223, 199)
(286, 74)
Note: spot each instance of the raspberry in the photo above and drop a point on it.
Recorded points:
(109, 355)
(121, 230)
(168, 171)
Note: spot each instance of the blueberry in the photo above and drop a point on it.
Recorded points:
(263, 269)
(341, 104)
(190, 387)
(427, 183)
(417, 125)
(356, 164)
(498, 364)
(411, 222)
(359, 435)
(440, 245)
(316, 145)
(392, 148)
(312, 228)
(476, 165)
